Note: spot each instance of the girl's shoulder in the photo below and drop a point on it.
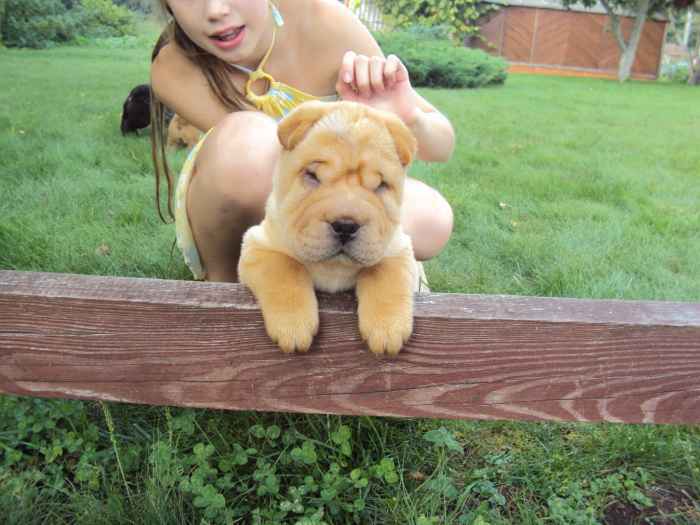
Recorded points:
(329, 27)
(181, 86)
(172, 61)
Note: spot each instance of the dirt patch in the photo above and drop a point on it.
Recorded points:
(671, 506)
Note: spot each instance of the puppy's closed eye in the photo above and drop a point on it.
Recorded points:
(310, 178)
(383, 186)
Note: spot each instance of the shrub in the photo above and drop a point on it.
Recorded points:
(144, 6)
(675, 72)
(459, 16)
(103, 18)
(435, 62)
(2, 16)
(44, 23)
(34, 23)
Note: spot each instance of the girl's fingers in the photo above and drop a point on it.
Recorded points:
(376, 74)
(346, 74)
(345, 91)
(362, 76)
(390, 70)
(401, 72)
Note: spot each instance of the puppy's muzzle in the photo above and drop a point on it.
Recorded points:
(345, 230)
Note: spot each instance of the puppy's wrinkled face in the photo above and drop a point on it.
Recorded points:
(339, 184)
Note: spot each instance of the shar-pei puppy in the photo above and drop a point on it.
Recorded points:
(332, 224)
(181, 133)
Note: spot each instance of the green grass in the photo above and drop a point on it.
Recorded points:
(561, 187)
(600, 183)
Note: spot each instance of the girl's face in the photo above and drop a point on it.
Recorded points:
(232, 30)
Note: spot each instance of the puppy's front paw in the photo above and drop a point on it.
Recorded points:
(386, 333)
(293, 331)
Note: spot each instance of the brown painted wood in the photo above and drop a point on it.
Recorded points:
(650, 45)
(565, 40)
(481, 357)
(584, 47)
(553, 37)
(491, 32)
(517, 36)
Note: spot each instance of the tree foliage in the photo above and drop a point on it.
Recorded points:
(434, 61)
(144, 6)
(44, 23)
(684, 31)
(459, 15)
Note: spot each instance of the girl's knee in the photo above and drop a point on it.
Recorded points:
(430, 221)
(436, 229)
(238, 158)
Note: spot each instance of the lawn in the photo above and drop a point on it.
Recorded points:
(561, 187)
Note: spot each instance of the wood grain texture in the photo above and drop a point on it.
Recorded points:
(481, 357)
(491, 32)
(552, 37)
(651, 44)
(566, 40)
(518, 32)
(584, 49)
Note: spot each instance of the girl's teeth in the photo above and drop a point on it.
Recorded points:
(227, 36)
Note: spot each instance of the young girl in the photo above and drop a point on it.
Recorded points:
(233, 68)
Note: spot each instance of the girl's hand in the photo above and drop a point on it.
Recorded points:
(381, 83)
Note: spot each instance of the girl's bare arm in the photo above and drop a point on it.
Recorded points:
(181, 86)
(357, 52)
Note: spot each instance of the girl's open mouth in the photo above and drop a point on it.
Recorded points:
(230, 39)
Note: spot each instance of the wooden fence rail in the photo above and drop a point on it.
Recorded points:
(481, 357)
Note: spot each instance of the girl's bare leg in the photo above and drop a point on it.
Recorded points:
(233, 177)
(427, 218)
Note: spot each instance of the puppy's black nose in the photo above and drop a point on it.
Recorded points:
(345, 230)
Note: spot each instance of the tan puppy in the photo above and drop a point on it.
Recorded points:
(181, 133)
(332, 223)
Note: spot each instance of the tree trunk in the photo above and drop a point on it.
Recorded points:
(694, 72)
(688, 27)
(629, 51)
(693, 58)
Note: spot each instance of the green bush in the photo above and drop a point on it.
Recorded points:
(143, 6)
(103, 18)
(435, 62)
(2, 16)
(459, 16)
(34, 23)
(44, 23)
(675, 72)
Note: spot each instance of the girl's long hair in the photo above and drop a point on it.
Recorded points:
(218, 77)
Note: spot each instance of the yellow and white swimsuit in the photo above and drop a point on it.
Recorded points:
(279, 100)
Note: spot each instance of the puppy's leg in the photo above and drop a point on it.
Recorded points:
(285, 293)
(385, 303)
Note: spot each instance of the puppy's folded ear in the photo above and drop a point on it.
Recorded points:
(294, 127)
(405, 141)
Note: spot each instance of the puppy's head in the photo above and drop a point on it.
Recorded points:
(339, 184)
(136, 111)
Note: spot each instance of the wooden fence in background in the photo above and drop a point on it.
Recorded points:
(567, 42)
(367, 12)
(473, 357)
